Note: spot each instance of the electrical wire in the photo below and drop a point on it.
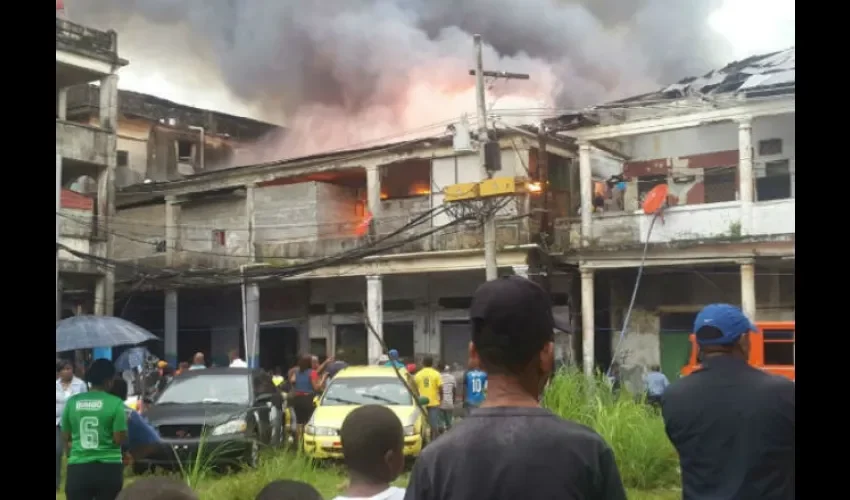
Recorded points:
(634, 293)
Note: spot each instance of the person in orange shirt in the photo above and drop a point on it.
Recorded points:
(429, 384)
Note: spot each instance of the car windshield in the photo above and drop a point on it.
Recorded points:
(211, 389)
(366, 391)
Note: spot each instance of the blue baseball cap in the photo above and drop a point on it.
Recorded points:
(729, 319)
(393, 354)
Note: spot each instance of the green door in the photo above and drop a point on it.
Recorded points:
(675, 344)
(675, 350)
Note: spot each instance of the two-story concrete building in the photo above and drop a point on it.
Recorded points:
(724, 145)
(85, 55)
(273, 216)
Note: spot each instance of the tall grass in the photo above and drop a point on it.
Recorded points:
(634, 430)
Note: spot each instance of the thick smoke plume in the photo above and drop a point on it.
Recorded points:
(341, 73)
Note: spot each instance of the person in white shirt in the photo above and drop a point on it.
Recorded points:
(235, 360)
(67, 385)
(373, 447)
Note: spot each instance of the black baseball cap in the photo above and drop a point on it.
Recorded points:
(514, 300)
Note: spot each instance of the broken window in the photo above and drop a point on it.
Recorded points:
(720, 185)
(122, 158)
(647, 182)
(219, 238)
(405, 179)
(775, 184)
(185, 151)
(770, 147)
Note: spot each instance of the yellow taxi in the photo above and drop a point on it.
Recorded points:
(364, 385)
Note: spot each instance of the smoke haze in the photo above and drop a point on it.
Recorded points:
(339, 73)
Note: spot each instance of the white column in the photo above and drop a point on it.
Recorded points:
(588, 331)
(375, 314)
(171, 328)
(586, 188)
(251, 322)
(373, 192)
(748, 290)
(746, 178)
(62, 103)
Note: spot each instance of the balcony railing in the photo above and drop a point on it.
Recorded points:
(718, 221)
(77, 38)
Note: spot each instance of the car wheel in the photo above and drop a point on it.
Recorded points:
(252, 455)
(277, 434)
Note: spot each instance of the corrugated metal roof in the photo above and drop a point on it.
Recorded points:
(770, 74)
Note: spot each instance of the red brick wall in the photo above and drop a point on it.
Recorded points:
(661, 166)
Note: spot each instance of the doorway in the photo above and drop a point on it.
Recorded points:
(278, 347)
(194, 340)
(455, 336)
(399, 336)
(675, 342)
(352, 339)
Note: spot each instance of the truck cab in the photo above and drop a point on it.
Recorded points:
(771, 349)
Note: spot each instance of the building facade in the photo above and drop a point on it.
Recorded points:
(724, 145)
(415, 291)
(85, 55)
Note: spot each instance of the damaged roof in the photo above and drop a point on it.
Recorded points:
(756, 76)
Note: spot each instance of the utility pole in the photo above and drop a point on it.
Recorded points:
(483, 138)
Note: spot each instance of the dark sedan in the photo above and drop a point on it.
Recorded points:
(219, 416)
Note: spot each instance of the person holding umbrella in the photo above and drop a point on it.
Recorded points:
(94, 426)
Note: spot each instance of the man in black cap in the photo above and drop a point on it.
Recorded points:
(732, 424)
(510, 447)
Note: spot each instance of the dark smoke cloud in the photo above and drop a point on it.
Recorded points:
(361, 57)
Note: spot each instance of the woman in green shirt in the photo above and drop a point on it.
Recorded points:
(94, 424)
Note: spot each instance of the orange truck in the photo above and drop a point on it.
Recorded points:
(771, 349)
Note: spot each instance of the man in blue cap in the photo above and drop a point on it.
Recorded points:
(732, 424)
(394, 361)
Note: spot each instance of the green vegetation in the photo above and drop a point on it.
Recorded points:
(647, 461)
(635, 431)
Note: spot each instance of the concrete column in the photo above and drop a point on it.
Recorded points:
(251, 322)
(62, 103)
(109, 102)
(58, 209)
(250, 217)
(375, 314)
(588, 331)
(171, 328)
(521, 271)
(104, 294)
(748, 290)
(746, 179)
(373, 192)
(586, 191)
(172, 230)
(304, 336)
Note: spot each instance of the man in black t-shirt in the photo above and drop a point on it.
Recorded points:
(510, 447)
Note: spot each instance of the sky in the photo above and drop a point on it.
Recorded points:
(751, 26)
